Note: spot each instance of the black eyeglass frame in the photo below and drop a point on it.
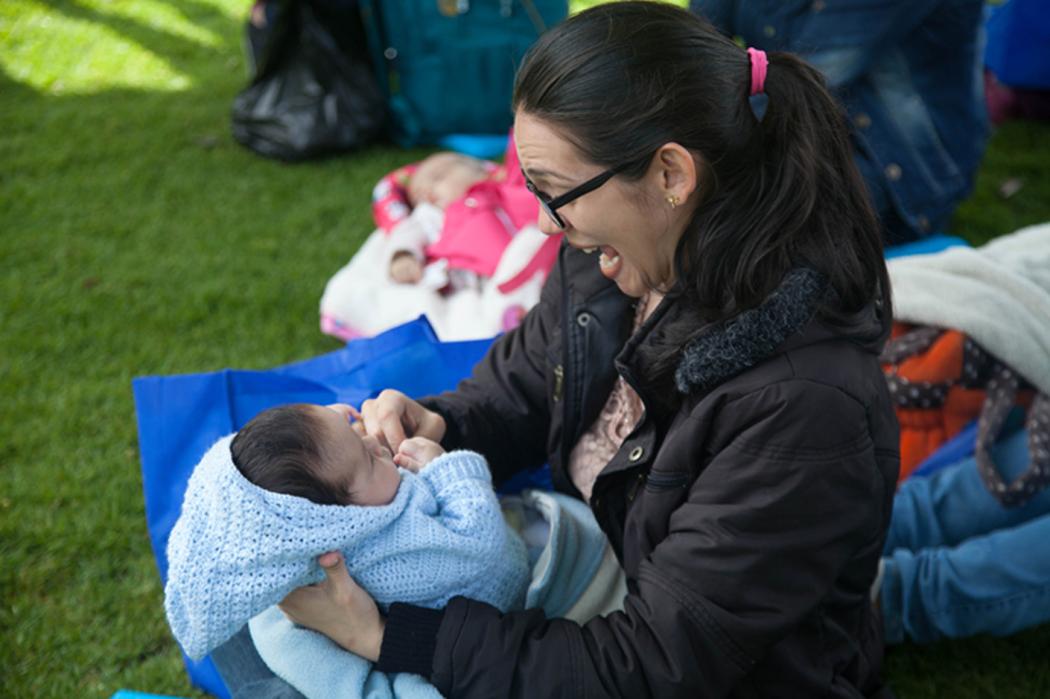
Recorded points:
(551, 205)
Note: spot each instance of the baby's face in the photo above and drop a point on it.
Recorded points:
(443, 178)
(359, 465)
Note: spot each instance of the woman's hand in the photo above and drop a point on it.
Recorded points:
(339, 608)
(416, 452)
(346, 410)
(392, 417)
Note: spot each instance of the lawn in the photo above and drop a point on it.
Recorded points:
(137, 238)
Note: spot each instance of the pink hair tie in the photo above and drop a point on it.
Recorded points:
(759, 66)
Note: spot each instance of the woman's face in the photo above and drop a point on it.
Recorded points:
(632, 230)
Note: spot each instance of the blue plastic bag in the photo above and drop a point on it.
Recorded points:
(937, 242)
(180, 417)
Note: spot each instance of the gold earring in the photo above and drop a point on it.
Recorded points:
(673, 200)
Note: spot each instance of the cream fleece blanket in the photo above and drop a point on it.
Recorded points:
(998, 294)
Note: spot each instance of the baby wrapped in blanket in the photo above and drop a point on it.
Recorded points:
(298, 481)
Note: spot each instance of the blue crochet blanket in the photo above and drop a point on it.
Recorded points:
(238, 549)
(574, 575)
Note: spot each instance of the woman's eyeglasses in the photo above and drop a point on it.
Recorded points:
(550, 205)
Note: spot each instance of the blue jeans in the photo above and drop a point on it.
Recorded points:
(956, 563)
(245, 673)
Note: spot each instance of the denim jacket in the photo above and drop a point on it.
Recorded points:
(908, 73)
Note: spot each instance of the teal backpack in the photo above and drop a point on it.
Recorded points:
(447, 66)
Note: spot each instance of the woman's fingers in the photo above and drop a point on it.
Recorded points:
(369, 420)
(391, 428)
(357, 421)
(343, 409)
(339, 608)
(330, 559)
(383, 415)
(393, 417)
(431, 425)
(352, 415)
(337, 579)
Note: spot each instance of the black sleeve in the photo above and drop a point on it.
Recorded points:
(409, 639)
(502, 410)
(758, 543)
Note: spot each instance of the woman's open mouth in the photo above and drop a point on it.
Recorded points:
(609, 262)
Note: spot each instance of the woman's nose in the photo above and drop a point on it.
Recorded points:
(547, 225)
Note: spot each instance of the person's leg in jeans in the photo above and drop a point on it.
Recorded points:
(957, 563)
(953, 505)
(245, 673)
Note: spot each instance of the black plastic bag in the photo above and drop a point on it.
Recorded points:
(314, 92)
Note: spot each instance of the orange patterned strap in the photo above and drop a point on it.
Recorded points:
(924, 364)
(1002, 395)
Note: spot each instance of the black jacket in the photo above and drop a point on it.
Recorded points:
(748, 508)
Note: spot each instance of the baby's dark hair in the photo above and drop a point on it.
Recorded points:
(282, 450)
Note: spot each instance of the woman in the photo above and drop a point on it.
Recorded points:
(702, 368)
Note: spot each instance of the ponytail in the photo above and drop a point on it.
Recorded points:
(793, 198)
(622, 79)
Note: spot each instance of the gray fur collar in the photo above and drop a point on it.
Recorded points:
(731, 347)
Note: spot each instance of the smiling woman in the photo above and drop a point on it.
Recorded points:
(635, 231)
(672, 119)
(709, 383)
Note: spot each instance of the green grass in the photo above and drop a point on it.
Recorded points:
(137, 238)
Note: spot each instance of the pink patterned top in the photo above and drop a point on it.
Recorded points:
(618, 418)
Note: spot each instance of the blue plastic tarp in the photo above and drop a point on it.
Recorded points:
(180, 417)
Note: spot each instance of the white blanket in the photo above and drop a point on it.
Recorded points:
(998, 294)
(361, 299)
(575, 575)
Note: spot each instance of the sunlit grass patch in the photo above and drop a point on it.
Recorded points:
(96, 45)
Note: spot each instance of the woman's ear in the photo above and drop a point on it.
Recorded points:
(675, 171)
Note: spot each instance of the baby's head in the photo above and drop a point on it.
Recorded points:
(443, 178)
(313, 452)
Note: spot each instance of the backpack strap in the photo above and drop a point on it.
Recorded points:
(1002, 395)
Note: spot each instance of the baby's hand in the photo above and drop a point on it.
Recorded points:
(405, 268)
(417, 452)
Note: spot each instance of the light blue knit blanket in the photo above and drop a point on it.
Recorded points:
(574, 575)
(238, 549)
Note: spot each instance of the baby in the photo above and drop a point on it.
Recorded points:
(298, 481)
(442, 178)
(437, 181)
(457, 240)
(314, 452)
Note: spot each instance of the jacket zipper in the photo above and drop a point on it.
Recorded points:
(635, 487)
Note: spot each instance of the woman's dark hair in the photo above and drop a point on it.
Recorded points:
(280, 450)
(622, 79)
